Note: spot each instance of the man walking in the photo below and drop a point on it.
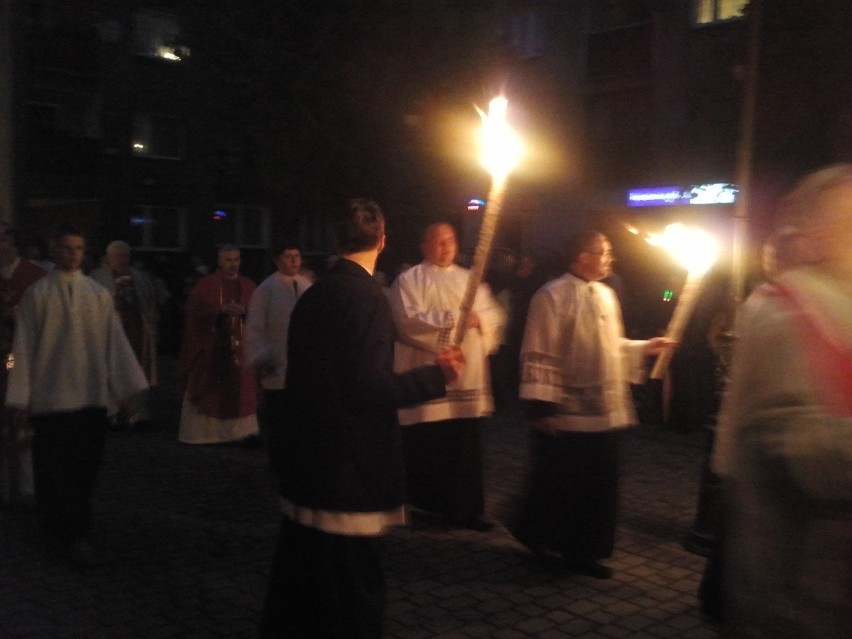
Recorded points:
(220, 391)
(337, 449)
(268, 321)
(576, 367)
(443, 448)
(71, 362)
(135, 299)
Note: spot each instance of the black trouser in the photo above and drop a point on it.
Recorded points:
(572, 497)
(68, 449)
(271, 414)
(443, 463)
(324, 586)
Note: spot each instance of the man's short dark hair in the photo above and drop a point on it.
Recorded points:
(359, 227)
(66, 229)
(580, 242)
(283, 244)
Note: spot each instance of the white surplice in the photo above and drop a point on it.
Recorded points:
(426, 302)
(268, 321)
(70, 351)
(574, 354)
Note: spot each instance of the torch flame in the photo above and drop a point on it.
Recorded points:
(694, 249)
(501, 147)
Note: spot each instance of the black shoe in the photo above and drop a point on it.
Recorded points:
(590, 569)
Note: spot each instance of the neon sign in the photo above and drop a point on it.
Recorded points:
(716, 193)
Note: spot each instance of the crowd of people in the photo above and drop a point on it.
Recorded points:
(371, 402)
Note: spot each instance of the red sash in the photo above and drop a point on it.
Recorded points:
(830, 362)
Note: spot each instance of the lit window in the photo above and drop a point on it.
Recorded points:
(156, 35)
(162, 227)
(711, 11)
(158, 136)
(247, 226)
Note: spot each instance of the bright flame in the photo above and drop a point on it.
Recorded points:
(692, 248)
(501, 147)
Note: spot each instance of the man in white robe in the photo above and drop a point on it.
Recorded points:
(576, 367)
(71, 362)
(783, 445)
(442, 440)
(268, 321)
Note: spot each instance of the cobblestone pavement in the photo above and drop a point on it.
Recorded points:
(186, 533)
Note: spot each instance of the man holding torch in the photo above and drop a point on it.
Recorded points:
(443, 451)
(576, 366)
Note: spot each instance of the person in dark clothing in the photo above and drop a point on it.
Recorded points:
(337, 448)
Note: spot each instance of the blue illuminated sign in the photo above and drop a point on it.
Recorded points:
(717, 193)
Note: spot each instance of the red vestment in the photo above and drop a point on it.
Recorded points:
(15, 463)
(210, 366)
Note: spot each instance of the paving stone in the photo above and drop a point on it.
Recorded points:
(186, 536)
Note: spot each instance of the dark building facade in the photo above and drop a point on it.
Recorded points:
(110, 129)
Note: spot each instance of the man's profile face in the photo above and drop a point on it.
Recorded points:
(595, 262)
(69, 253)
(229, 263)
(440, 246)
(289, 262)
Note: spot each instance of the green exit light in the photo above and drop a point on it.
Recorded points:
(668, 294)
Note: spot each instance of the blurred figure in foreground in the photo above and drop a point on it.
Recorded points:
(135, 300)
(337, 449)
(576, 366)
(784, 437)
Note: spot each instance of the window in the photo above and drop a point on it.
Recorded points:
(79, 116)
(158, 136)
(157, 35)
(161, 227)
(626, 52)
(527, 33)
(620, 116)
(241, 225)
(713, 11)
(616, 14)
(43, 115)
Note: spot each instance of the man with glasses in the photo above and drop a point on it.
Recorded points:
(576, 366)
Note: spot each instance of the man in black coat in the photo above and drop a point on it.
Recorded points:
(337, 449)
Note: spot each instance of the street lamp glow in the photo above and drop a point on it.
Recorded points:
(501, 148)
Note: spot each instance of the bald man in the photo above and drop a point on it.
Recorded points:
(135, 298)
(442, 440)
